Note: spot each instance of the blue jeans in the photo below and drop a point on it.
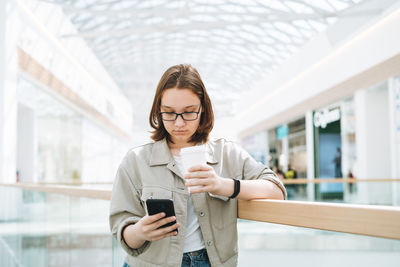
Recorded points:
(197, 258)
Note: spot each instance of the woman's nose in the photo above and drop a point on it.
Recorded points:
(179, 121)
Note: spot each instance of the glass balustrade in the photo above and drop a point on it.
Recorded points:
(265, 244)
(362, 192)
(47, 229)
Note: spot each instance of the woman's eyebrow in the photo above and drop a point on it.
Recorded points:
(190, 106)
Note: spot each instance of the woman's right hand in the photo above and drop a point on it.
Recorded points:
(147, 229)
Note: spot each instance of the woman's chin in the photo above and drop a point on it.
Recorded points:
(181, 138)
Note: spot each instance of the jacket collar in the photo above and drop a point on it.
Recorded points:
(160, 154)
(210, 153)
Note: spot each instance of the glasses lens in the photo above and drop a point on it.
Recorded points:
(189, 116)
(167, 116)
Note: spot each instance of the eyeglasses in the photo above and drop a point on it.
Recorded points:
(186, 116)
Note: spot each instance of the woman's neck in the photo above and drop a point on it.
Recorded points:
(176, 147)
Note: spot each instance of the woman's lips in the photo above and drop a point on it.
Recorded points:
(180, 132)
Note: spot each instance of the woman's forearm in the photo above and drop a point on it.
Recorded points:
(253, 189)
(250, 189)
(131, 238)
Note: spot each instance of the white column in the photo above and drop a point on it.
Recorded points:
(8, 103)
(26, 146)
(373, 144)
(10, 199)
(361, 168)
(2, 81)
(394, 124)
(310, 155)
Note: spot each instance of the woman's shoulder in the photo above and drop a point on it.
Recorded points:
(140, 150)
(224, 143)
(137, 155)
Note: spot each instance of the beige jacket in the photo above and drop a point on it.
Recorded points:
(150, 171)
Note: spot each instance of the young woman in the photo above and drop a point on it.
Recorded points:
(182, 116)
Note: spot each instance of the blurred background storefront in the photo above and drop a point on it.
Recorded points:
(335, 141)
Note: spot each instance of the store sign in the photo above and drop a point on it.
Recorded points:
(282, 132)
(324, 117)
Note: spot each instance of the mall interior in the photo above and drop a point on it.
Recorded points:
(309, 88)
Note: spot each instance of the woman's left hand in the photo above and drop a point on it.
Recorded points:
(202, 178)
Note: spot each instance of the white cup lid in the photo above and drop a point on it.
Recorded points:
(193, 149)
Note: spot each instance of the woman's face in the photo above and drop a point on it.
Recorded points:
(179, 101)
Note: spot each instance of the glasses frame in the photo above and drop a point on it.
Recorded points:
(181, 114)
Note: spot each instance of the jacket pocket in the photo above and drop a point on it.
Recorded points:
(155, 192)
(222, 213)
(158, 251)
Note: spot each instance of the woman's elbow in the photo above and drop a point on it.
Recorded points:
(277, 193)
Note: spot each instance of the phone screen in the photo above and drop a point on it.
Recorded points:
(155, 206)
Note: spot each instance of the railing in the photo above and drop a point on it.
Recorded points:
(346, 190)
(347, 218)
(67, 226)
(9, 258)
(337, 180)
(378, 221)
(65, 190)
(55, 226)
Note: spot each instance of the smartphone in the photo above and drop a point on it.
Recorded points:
(155, 206)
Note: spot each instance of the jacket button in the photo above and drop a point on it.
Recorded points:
(209, 243)
(201, 214)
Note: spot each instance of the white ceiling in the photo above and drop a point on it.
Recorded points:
(233, 44)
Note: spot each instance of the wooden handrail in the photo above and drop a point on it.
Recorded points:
(378, 221)
(370, 220)
(337, 180)
(65, 190)
(285, 181)
(75, 183)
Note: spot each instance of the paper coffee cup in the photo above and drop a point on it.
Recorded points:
(191, 156)
(194, 155)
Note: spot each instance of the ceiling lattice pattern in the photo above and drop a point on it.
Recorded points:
(231, 43)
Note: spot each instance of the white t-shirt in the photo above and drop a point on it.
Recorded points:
(193, 238)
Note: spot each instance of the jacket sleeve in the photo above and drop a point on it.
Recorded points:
(125, 208)
(245, 167)
(251, 170)
(255, 170)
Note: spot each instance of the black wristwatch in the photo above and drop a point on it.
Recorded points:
(236, 188)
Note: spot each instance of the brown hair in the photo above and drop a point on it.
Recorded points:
(182, 76)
